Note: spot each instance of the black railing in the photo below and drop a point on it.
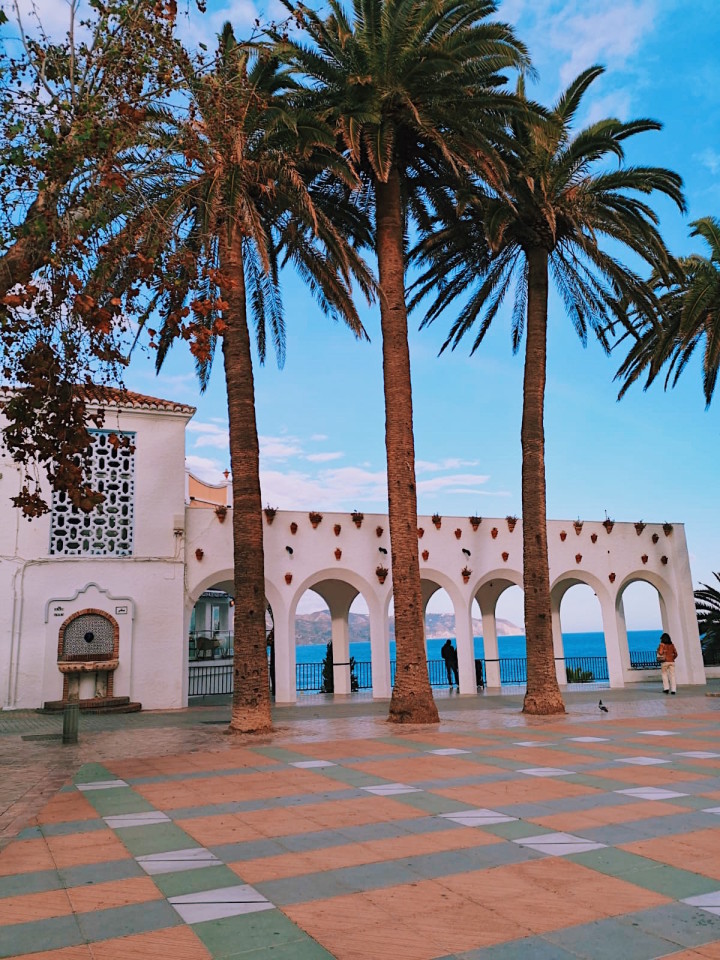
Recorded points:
(210, 680)
(586, 669)
(644, 660)
(711, 658)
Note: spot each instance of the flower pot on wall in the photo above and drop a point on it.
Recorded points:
(608, 524)
(437, 520)
(611, 577)
(511, 522)
(505, 556)
(475, 522)
(667, 529)
(199, 554)
(357, 518)
(466, 573)
(221, 512)
(663, 560)
(644, 558)
(426, 555)
(336, 529)
(639, 527)
(458, 533)
(578, 525)
(381, 573)
(593, 537)
(421, 533)
(378, 531)
(315, 518)
(563, 534)
(578, 558)
(655, 537)
(494, 532)
(288, 578)
(338, 553)
(269, 514)
(293, 528)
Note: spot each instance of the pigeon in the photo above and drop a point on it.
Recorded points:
(602, 707)
(382, 550)
(290, 550)
(466, 551)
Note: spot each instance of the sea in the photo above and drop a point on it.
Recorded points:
(575, 644)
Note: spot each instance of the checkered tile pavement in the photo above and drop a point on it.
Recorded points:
(591, 840)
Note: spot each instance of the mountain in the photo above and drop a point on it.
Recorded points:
(315, 627)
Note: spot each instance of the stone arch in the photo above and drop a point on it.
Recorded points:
(439, 580)
(558, 588)
(666, 602)
(487, 591)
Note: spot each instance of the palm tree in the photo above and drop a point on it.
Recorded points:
(413, 90)
(220, 197)
(707, 607)
(555, 210)
(691, 315)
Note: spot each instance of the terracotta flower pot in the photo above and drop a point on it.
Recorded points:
(336, 529)
(663, 560)
(421, 533)
(608, 524)
(639, 527)
(315, 519)
(458, 533)
(505, 556)
(199, 554)
(563, 534)
(511, 522)
(288, 578)
(578, 525)
(357, 518)
(655, 537)
(644, 558)
(593, 537)
(466, 578)
(494, 532)
(221, 512)
(269, 514)
(426, 555)
(338, 553)
(293, 528)
(437, 520)
(611, 577)
(667, 529)
(378, 531)
(578, 558)
(475, 522)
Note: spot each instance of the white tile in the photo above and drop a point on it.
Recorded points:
(704, 900)
(479, 817)
(199, 912)
(309, 764)
(641, 761)
(715, 810)
(651, 793)
(558, 844)
(170, 861)
(222, 902)
(125, 820)
(698, 754)
(590, 739)
(101, 785)
(448, 752)
(657, 733)
(531, 743)
(390, 789)
(546, 772)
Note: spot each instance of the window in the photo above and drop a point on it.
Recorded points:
(108, 530)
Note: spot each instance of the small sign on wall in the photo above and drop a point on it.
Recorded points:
(121, 610)
(58, 611)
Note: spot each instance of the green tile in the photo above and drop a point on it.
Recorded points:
(613, 862)
(672, 882)
(192, 881)
(116, 800)
(40, 935)
(278, 753)
(234, 936)
(610, 939)
(430, 802)
(92, 772)
(123, 921)
(355, 778)
(39, 881)
(155, 838)
(306, 949)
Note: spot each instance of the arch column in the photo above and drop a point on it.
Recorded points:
(616, 641)
(490, 642)
(465, 650)
(558, 645)
(285, 673)
(380, 647)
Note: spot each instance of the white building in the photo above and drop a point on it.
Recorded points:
(100, 605)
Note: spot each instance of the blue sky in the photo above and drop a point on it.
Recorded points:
(653, 456)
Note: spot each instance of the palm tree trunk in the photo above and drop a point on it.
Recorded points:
(543, 693)
(412, 700)
(251, 693)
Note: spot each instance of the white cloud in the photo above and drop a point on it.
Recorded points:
(279, 448)
(450, 463)
(323, 457)
(343, 488)
(211, 471)
(454, 482)
(709, 158)
(198, 426)
(318, 437)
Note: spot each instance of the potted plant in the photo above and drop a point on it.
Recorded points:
(293, 528)
(270, 514)
(611, 577)
(336, 529)
(199, 554)
(578, 558)
(563, 535)
(421, 533)
(593, 537)
(639, 527)
(505, 556)
(378, 531)
(288, 578)
(381, 573)
(655, 537)
(663, 560)
(357, 518)
(437, 520)
(578, 524)
(511, 522)
(475, 522)
(221, 512)
(644, 558)
(608, 524)
(466, 573)
(338, 553)
(494, 532)
(667, 529)
(458, 533)
(426, 555)
(315, 518)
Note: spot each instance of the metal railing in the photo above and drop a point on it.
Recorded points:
(644, 660)
(586, 669)
(208, 681)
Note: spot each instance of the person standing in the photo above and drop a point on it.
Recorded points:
(446, 652)
(667, 655)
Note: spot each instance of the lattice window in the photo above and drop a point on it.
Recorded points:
(89, 637)
(108, 530)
